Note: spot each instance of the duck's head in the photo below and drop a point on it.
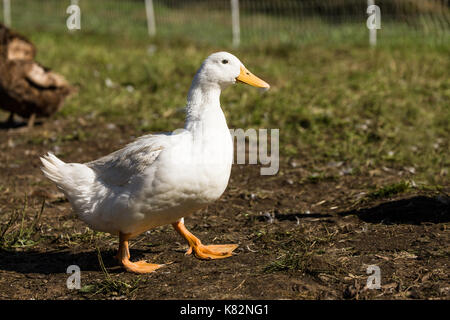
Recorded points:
(224, 69)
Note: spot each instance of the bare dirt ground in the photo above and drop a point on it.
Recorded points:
(298, 238)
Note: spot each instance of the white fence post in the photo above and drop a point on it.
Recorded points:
(7, 12)
(236, 29)
(372, 31)
(150, 17)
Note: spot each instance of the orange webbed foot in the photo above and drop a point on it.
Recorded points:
(213, 251)
(124, 258)
(201, 251)
(140, 266)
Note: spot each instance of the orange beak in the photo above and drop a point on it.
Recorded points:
(249, 78)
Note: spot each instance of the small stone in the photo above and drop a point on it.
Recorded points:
(411, 170)
(57, 150)
(109, 83)
(412, 294)
(11, 143)
(350, 292)
(293, 164)
(346, 171)
(269, 217)
(335, 164)
(111, 126)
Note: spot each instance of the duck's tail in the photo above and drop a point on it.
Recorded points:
(74, 179)
(53, 168)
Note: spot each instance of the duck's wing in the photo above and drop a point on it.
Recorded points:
(119, 167)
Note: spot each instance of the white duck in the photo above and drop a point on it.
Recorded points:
(159, 179)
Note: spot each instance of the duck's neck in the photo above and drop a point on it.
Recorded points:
(203, 110)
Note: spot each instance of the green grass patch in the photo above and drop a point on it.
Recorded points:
(289, 261)
(390, 190)
(109, 285)
(297, 253)
(17, 231)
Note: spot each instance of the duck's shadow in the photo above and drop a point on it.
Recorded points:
(292, 216)
(32, 261)
(7, 125)
(414, 210)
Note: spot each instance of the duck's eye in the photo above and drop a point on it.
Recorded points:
(224, 61)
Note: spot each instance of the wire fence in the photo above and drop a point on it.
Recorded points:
(238, 21)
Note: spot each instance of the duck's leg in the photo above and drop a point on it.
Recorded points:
(124, 258)
(215, 251)
(10, 120)
(123, 247)
(31, 120)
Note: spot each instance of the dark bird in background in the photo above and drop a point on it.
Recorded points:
(26, 87)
